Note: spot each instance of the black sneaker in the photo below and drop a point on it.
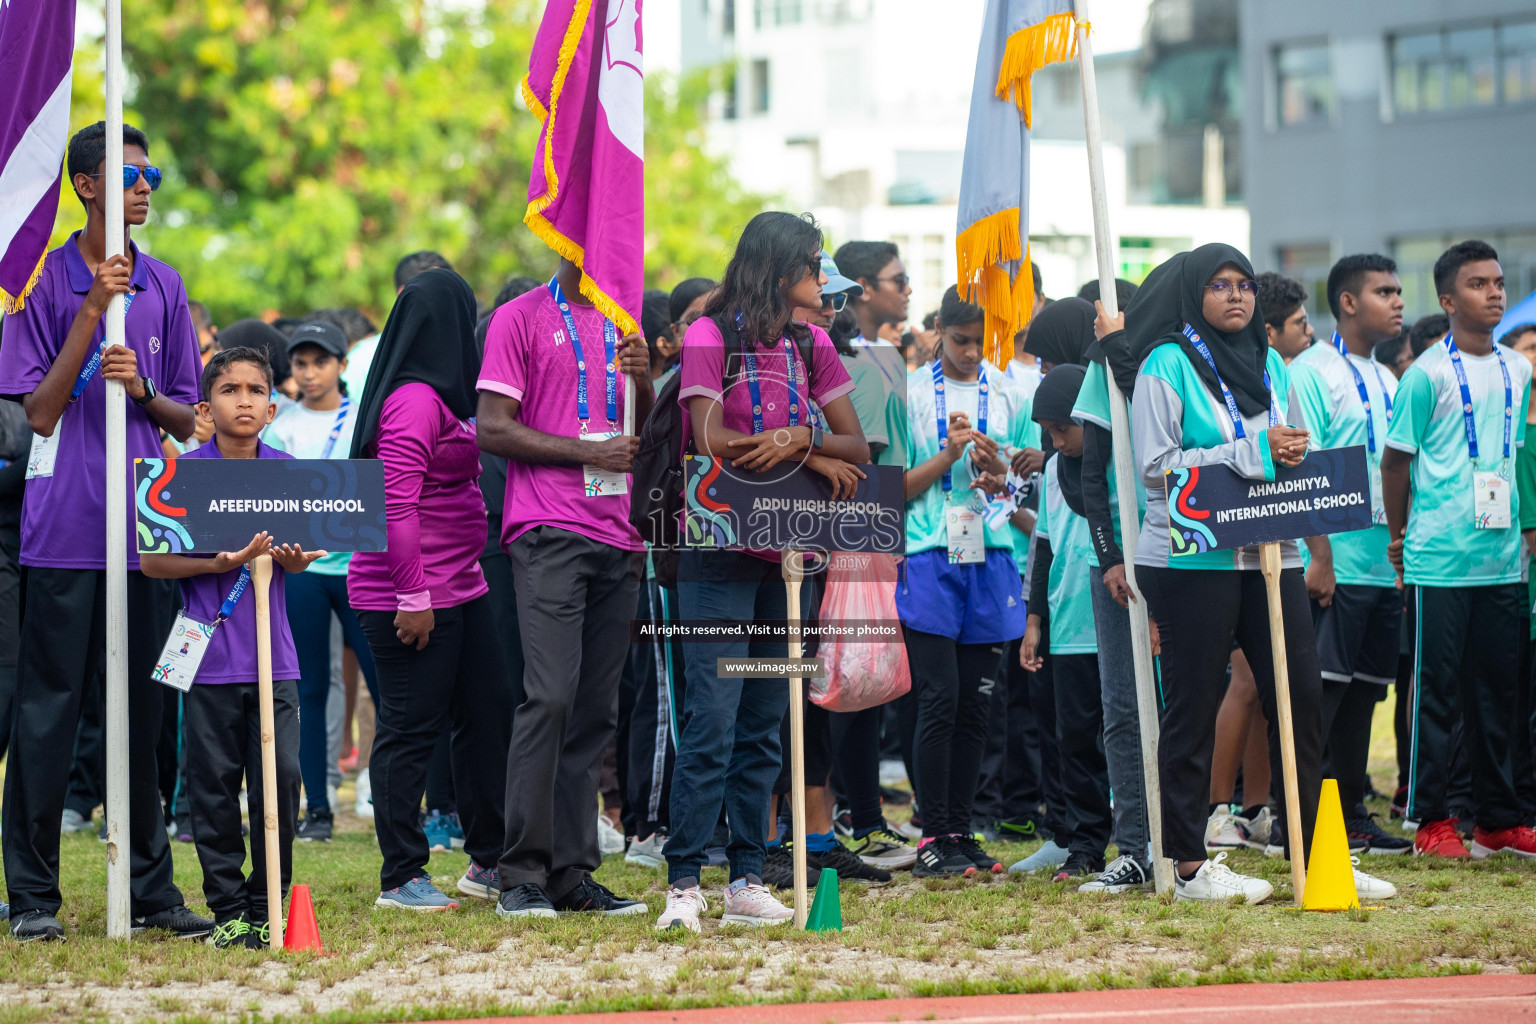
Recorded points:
(850, 868)
(179, 921)
(260, 935)
(316, 827)
(842, 821)
(779, 867)
(1080, 865)
(1124, 874)
(1377, 839)
(941, 858)
(985, 863)
(526, 900)
(235, 933)
(592, 897)
(36, 926)
(1026, 831)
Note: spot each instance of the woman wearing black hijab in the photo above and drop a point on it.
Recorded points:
(1060, 334)
(422, 603)
(1211, 393)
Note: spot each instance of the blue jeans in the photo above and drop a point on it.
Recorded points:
(729, 749)
(1122, 726)
(312, 597)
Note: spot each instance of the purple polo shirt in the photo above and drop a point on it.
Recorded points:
(63, 517)
(231, 656)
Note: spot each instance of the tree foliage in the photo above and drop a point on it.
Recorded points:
(307, 146)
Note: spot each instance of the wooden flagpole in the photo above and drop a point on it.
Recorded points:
(261, 576)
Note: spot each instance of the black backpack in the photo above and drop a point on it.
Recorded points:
(656, 497)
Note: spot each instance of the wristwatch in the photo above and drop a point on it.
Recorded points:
(149, 392)
(815, 437)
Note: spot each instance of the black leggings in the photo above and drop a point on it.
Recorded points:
(856, 765)
(952, 684)
(1199, 613)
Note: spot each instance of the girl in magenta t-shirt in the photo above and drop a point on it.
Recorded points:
(729, 751)
(422, 603)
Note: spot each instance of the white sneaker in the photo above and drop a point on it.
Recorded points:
(1369, 887)
(1221, 830)
(363, 805)
(1050, 856)
(1255, 831)
(683, 909)
(647, 852)
(886, 849)
(1215, 881)
(609, 839)
(753, 905)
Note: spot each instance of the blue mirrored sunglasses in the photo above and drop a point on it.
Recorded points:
(131, 174)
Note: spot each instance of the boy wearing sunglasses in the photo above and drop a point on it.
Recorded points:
(54, 361)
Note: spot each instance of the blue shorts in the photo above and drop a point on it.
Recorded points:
(981, 603)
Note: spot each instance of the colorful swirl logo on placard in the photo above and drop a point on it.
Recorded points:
(167, 536)
(709, 521)
(1186, 534)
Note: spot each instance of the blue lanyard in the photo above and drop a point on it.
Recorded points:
(940, 407)
(610, 354)
(749, 359)
(94, 363)
(879, 364)
(1365, 398)
(341, 420)
(1469, 418)
(1226, 393)
(235, 593)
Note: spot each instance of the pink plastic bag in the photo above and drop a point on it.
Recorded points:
(867, 667)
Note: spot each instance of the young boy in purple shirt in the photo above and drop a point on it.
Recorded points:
(52, 362)
(223, 720)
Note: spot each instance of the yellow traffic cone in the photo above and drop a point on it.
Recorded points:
(1330, 874)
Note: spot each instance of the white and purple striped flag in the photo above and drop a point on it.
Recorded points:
(37, 42)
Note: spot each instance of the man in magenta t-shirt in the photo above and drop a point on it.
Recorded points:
(552, 402)
(48, 363)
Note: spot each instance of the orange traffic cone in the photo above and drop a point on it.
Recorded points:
(303, 931)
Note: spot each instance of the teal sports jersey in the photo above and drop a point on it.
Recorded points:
(1442, 547)
(1176, 423)
(1027, 377)
(1093, 407)
(869, 398)
(1008, 423)
(1322, 383)
(1071, 603)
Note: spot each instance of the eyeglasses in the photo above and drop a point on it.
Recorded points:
(899, 280)
(1223, 289)
(131, 174)
(836, 302)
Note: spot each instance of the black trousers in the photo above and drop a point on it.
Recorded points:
(223, 738)
(575, 597)
(1080, 745)
(856, 766)
(1010, 769)
(952, 684)
(1468, 657)
(456, 682)
(63, 640)
(88, 768)
(1042, 739)
(653, 721)
(1347, 711)
(1199, 613)
(10, 618)
(171, 757)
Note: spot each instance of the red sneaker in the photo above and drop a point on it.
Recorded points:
(1520, 841)
(1440, 839)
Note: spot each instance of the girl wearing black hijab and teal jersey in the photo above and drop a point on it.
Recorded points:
(1210, 392)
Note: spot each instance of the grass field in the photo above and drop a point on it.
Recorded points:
(907, 938)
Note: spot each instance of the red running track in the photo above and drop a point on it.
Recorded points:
(1485, 999)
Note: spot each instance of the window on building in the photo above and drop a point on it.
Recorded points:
(1309, 263)
(760, 86)
(1305, 83)
(1464, 68)
(772, 13)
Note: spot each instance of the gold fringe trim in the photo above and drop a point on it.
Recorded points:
(1008, 304)
(568, 45)
(567, 247)
(1030, 49)
(531, 101)
(13, 304)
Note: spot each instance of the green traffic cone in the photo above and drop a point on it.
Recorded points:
(827, 910)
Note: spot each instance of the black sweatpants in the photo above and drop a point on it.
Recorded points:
(952, 684)
(1468, 648)
(63, 640)
(1199, 613)
(88, 767)
(1042, 738)
(223, 739)
(1080, 745)
(657, 665)
(575, 597)
(1010, 769)
(457, 681)
(856, 766)
(10, 610)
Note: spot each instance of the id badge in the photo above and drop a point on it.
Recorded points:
(1490, 501)
(45, 451)
(1378, 505)
(599, 483)
(967, 534)
(183, 653)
